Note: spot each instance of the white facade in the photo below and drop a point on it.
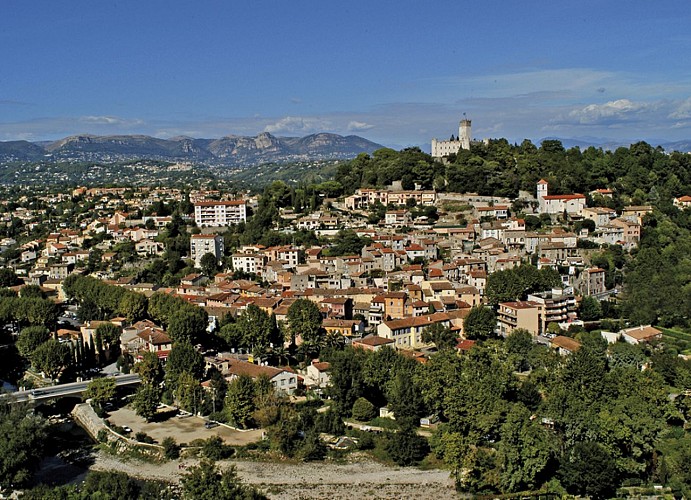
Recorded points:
(219, 213)
(201, 244)
(558, 204)
(249, 263)
(446, 148)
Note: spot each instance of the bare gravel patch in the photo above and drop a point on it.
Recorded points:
(361, 478)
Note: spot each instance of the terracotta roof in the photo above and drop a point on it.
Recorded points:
(322, 366)
(154, 336)
(642, 332)
(564, 197)
(566, 343)
(237, 367)
(373, 341)
(214, 203)
(519, 305)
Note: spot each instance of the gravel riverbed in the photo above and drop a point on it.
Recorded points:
(359, 478)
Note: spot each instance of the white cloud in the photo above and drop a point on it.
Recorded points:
(619, 110)
(110, 120)
(355, 126)
(682, 111)
(297, 124)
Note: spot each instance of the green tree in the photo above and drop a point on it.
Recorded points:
(188, 393)
(8, 277)
(208, 265)
(240, 402)
(52, 357)
(480, 323)
(32, 292)
(206, 482)
(441, 335)
(100, 391)
(304, 320)
(22, 440)
(405, 397)
(171, 449)
(363, 410)
(133, 306)
(187, 324)
(146, 401)
(623, 354)
(149, 369)
(526, 449)
(110, 485)
(590, 309)
(587, 469)
(406, 447)
(313, 447)
(30, 338)
(347, 378)
(214, 449)
(183, 357)
(518, 346)
(109, 335)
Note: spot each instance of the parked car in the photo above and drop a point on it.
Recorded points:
(210, 424)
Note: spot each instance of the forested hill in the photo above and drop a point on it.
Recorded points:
(502, 169)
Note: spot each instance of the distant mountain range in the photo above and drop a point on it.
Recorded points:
(231, 150)
(611, 144)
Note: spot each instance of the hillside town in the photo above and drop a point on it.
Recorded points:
(297, 321)
(413, 272)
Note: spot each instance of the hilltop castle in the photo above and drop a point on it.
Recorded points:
(453, 145)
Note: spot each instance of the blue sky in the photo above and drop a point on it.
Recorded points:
(398, 73)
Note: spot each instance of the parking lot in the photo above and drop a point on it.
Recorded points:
(183, 430)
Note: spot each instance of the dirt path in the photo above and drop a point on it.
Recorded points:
(282, 481)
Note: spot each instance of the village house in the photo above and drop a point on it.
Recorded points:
(232, 368)
(640, 334)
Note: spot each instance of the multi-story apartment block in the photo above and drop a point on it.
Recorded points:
(363, 198)
(220, 213)
(249, 263)
(593, 281)
(201, 244)
(557, 305)
(523, 314)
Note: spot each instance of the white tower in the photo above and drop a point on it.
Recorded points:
(542, 190)
(464, 134)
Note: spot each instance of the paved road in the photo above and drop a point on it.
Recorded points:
(62, 390)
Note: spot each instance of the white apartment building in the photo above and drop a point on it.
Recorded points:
(220, 213)
(249, 262)
(201, 244)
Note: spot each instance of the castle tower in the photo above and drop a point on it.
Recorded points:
(464, 134)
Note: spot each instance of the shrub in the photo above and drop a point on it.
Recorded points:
(406, 447)
(102, 436)
(171, 450)
(143, 437)
(214, 449)
(363, 410)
